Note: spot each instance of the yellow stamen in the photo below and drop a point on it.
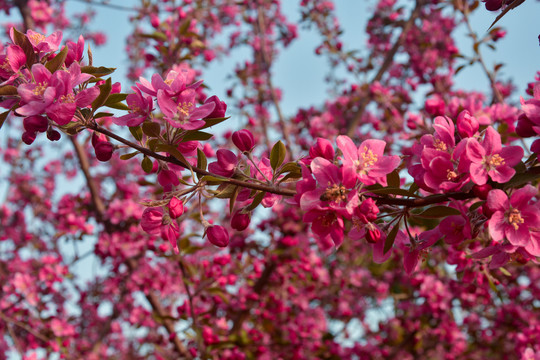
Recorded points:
(514, 218)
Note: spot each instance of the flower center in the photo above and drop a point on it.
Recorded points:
(335, 193)
(69, 98)
(494, 160)
(37, 38)
(183, 111)
(514, 218)
(39, 89)
(440, 145)
(451, 175)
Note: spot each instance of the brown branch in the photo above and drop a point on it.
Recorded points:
(384, 67)
(261, 187)
(26, 15)
(476, 48)
(267, 65)
(257, 289)
(100, 209)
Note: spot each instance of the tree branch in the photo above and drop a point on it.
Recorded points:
(384, 67)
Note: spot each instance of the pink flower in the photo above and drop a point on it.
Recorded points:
(11, 63)
(515, 219)
(42, 43)
(490, 158)
(225, 164)
(219, 109)
(140, 107)
(367, 161)
(182, 112)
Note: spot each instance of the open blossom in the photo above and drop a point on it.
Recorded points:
(367, 161)
(515, 219)
(42, 43)
(490, 158)
(182, 111)
(10, 64)
(140, 108)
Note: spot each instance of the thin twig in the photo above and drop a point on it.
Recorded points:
(384, 67)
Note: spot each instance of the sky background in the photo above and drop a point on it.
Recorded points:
(300, 73)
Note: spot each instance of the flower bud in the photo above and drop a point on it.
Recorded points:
(524, 126)
(240, 221)
(53, 135)
(217, 235)
(28, 137)
(435, 106)
(152, 219)
(243, 139)
(481, 191)
(322, 148)
(35, 123)
(170, 233)
(104, 151)
(373, 236)
(369, 209)
(176, 207)
(467, 124)
(219, 109)
(225, 164)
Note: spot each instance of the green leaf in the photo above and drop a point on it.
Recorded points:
(102, 114)
(438, 211)
(520, 179)
(115, 98)
(233, 199)
(156, 35)
(57, 61)
(511, 6)
(290, 167)
(20, 39)
(413, 188)
(277, 155)
(151, 129)
(118, 106)
(104, 91)
(505, 272)
(393, 179)
(213, 180)
(391, 237)
(3, 117)
(256, 200)
(128, 156)
(226, 191)
(212, 122)
(97, 71)
(136, 131)
(196, 135)
(8, 90)
(173, 151)
(476, 205)
(201, 160)
(147, 164)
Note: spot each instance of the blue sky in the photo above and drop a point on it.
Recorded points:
(300, 73)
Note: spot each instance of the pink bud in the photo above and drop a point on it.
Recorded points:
(217, 235)
(104, 151)
(225, 164)
(219, 109)
(373, 236)
(524, 126)
(243, 139)
(369, 209)
(322, 148)
(28, 137)
(481, 191)
(35, 123)
(53, 135)
(170, 233)
(240, 221)
(168, 177)
(176, 207)
(467, 124)
(435, 106)
(152, 219)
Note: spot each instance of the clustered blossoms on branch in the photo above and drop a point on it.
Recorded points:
(444, 186)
